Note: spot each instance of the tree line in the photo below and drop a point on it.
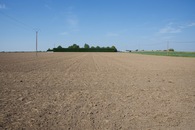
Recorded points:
(86, 48)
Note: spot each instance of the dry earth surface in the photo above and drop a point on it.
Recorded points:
(96, 91)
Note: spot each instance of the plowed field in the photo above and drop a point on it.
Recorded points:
(96, 91)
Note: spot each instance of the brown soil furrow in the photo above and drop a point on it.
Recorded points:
(96, 91)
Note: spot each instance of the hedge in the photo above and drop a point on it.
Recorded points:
(84, 50)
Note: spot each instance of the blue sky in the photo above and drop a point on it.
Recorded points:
(127, 24)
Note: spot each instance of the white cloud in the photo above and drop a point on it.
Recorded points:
(174, 28)
(111, 34)
(2, 6)
(47, 6)
(72, 21)
(64, 33)
(70, 9)
(169, 29)
(170, 24)
(191, 24)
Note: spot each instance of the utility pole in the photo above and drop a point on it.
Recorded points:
(167, 47)
(36, 41)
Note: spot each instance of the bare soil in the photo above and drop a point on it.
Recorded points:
(96, 91)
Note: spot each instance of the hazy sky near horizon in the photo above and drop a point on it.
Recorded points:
(127, 24)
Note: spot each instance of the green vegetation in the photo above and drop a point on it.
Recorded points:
(165, 53)
(86, 48)
(74, 46)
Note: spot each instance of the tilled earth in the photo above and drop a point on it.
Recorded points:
(81, 91)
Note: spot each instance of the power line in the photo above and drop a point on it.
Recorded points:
(26, 26)
(154, 44)
(182, 41)
(18, 21)
(167, 47)
(36, 41)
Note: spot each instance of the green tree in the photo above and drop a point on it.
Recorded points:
(86, 46)
(92, 47)
(97, 47)
(74, 46)
(113, 47)
(171, 49)
(70, 47)
(59, 47)
(49, 49)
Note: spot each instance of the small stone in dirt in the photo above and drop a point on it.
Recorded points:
(21, 99)
(163, 80)
(170, 82)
